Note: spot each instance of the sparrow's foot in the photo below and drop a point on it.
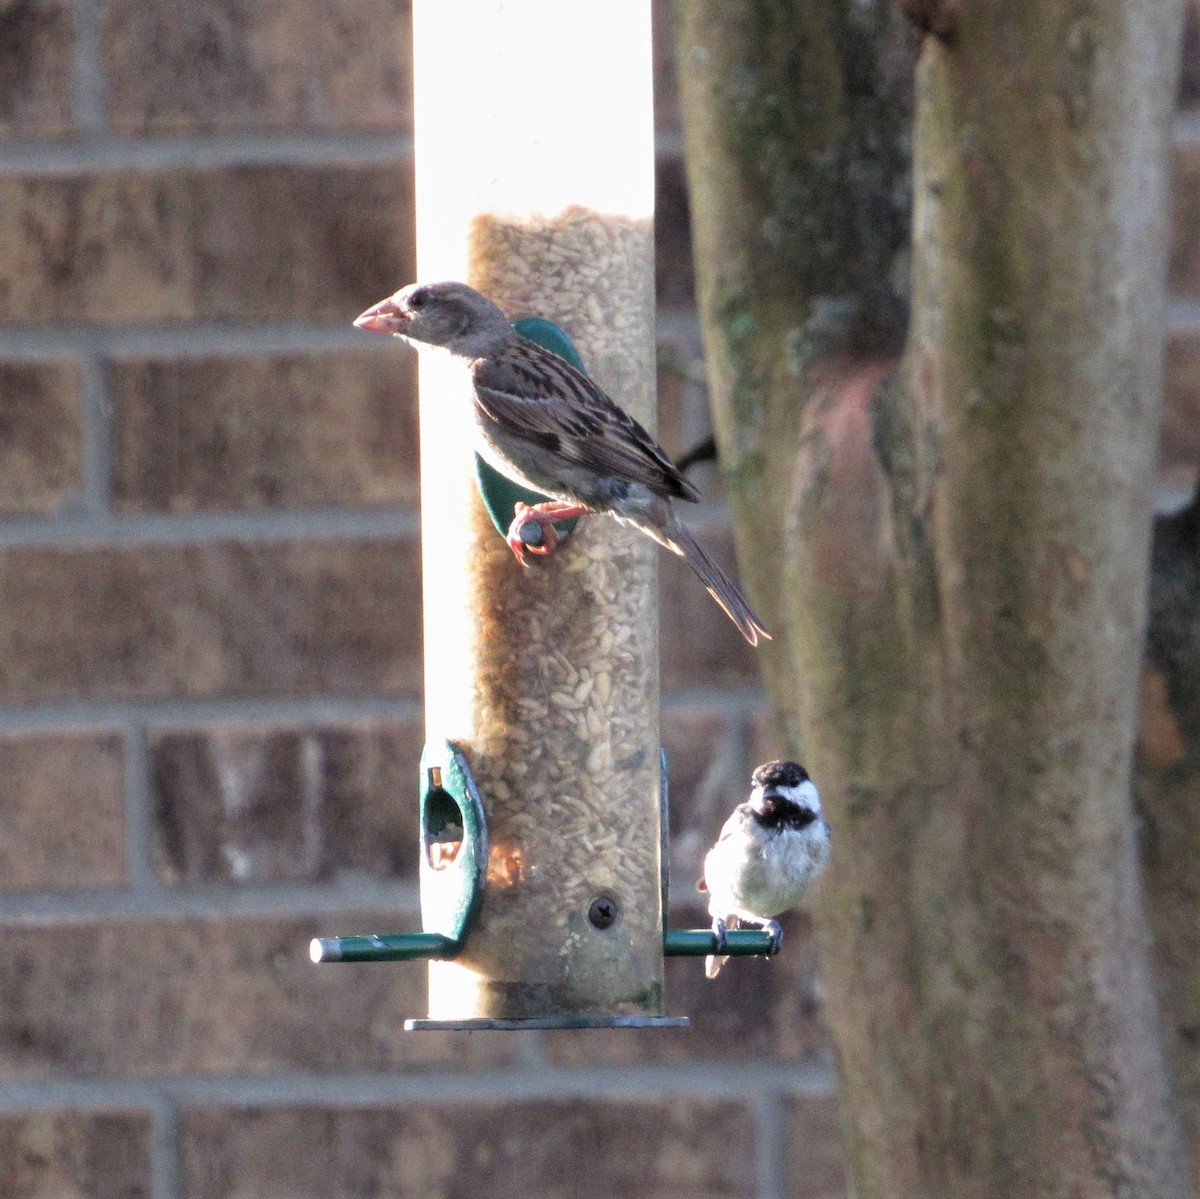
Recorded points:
(719, 930)
(775, 929)
(532, 530)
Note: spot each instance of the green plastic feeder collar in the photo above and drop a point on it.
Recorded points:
(454, 850)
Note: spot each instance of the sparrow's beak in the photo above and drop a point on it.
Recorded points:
(386, 317)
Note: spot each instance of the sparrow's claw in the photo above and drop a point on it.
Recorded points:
(775, 929)
(519, 530)
(532, 530)
(719, 930)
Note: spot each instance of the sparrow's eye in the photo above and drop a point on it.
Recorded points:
(417, 299)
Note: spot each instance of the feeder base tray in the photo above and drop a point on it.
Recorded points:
(549, 1022)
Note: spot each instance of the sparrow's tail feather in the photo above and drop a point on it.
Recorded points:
(720, 586)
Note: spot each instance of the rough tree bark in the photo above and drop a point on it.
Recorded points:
(954, 549)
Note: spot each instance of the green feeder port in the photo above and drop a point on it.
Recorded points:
(453, 877)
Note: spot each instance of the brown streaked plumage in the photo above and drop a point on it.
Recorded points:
(547, 426)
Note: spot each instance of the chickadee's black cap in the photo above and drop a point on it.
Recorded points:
(780, 773)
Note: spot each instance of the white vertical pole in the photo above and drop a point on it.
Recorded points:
(535, 179)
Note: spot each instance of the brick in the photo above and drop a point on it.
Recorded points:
(667, 1148)
(683, 415)
(256, 803)
(815, 1162)
(1160, 742)
(755, 1008)
(684, 420)
(37, 67)
(767, 738)
(1184, 265)
(257, 243)
(62, 811)
(1179, 444)
(151, 998)
(76, 1155)
(673, 276)
(671, 388)
(667, 111)
(1189, 81)
(41, 440)
(285, 431)
(218, 619)
(700, 647)
(706, 761)
(182, 65)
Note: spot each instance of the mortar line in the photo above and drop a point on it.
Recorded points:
(283, 524)
(668, 142)
(206, 339)
(769, 1120)
(166, 1156)
(738, 1081)
(1183, 315)
(155, 713)
(709, 516)
(89, 101)
(341, 897)
(97, 150)
(676, 323)
(202, 339)
(96, 430)
(101, 148)
(742, 701)
(531, 1050)
(1185, 129)
(139, 821)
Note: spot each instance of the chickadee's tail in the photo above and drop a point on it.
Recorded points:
(713, 963)
(720, 586)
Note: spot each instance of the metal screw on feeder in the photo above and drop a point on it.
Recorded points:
(602, 912)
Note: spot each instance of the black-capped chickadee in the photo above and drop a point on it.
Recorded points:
(770, 852)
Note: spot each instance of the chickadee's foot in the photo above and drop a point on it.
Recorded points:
(775, 930)
(719, 930)
(532, 530)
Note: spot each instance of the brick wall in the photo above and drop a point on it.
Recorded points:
(210, 675)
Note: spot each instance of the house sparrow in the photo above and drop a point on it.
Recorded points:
(770, 852)
(547, 426)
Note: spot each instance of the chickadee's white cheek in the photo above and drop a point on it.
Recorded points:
(806, 794)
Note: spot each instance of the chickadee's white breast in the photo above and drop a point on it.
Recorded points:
(758, 874)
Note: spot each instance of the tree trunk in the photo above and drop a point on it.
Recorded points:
(960, 588)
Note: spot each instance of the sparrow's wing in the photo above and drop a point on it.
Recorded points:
(533, 394)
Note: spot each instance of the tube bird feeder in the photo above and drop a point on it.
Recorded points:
(535, 185)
